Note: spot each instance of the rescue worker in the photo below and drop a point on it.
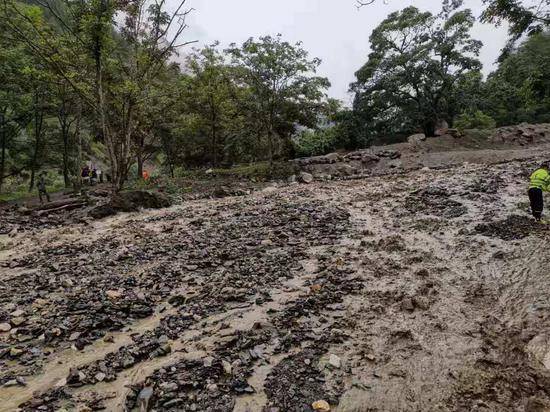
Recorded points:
(42, 192)
(540, 182)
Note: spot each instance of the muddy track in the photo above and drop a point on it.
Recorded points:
(424, 291)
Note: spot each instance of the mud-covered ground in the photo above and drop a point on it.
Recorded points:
(426, 291)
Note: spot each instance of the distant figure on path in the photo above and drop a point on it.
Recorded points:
(93, 177)
(86, 175)
(42, 192)
(540, 182)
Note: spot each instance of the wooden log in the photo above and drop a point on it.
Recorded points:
(61, 203)
(68, 207)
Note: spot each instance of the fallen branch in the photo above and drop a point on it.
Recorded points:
(61, 204)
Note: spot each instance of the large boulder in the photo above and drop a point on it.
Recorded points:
(306, 177)
(130, 201)
(522, 134)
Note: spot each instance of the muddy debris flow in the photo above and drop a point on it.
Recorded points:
(424, 292)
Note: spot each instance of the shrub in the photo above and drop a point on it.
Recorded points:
(475, 120)
(316, 142)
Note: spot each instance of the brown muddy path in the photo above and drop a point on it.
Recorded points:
(425, 291)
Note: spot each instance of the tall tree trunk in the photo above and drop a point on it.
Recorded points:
(64, 128)
(105, 130)
(66, 177)
(38, 123)
(214, 145)
(270, 135)
(122, 158)
(3, 142)
(78, 138)
(429, 128)
(270, 146)
(213, 132)
(139, 164)
(3, 154)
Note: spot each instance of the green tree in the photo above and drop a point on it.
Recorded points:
(111, 71)
(210, 95)
(283, 88)
(523, 17)
(519, 90)
(15, 99)
(417, 60)
(475, 119)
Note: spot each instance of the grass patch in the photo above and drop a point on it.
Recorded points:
(16, 189)
(260, 171)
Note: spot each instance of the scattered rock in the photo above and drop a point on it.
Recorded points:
(113, 294)
(144, 398)
(15, 352)
(416, 138)
(227, 368)
(407, 304)
(5, 327)
(100, 376)
(334, 361)
(306, 177)
(74, 336)
(17, 313)
(321, 406)
(514, 227)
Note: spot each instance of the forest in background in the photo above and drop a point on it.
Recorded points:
(120, 84)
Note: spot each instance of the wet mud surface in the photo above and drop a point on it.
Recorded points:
(428, 291)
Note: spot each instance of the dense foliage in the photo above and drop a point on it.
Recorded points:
(519, 90)
(417, 61)
(104, 82)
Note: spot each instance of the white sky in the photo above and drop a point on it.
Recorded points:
(333, 30)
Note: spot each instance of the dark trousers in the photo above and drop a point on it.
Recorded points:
(537, 202)
(42, 194)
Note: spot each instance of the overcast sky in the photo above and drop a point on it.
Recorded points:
(333, 30)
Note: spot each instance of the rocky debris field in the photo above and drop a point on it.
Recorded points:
(419, 291)
(449, 147)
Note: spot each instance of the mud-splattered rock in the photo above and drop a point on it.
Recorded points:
(514, 227)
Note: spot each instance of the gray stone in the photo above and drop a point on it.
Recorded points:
(144, 397)
(416, 138)
(173, 402)
(74, 336)
(227, 367)
(334, 361)
(169, 386)
(100, 376)
(5, 327)
(17, 313)
(306, 177)
(407, 304)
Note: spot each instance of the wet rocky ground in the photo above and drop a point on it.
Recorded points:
(425, 291)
